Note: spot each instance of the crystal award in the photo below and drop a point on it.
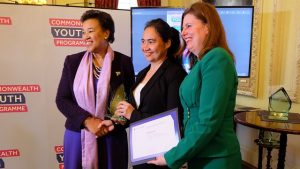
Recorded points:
(117, 96)
(279, 105)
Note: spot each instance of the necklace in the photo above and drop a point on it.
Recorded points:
(97, 69)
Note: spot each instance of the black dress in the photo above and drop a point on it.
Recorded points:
(161, 93)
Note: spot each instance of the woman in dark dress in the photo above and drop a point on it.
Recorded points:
(156, 87)
(88, 81)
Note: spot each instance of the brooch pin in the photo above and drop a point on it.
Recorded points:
(118, 73)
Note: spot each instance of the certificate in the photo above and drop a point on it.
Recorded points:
(153, 136)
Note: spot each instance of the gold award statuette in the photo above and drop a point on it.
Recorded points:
(118, 95)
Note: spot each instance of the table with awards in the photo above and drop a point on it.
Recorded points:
(258, 120)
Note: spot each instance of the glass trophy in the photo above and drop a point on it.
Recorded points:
(118, 95)
(279, 105)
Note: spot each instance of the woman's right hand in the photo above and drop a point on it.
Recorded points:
(98, 127)
(91, 124)
(105, 127)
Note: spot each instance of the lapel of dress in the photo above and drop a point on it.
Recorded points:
(147, 88)
(116, 73)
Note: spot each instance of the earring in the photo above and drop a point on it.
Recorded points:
(105, 37)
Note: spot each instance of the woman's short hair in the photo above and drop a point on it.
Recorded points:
(105, 20)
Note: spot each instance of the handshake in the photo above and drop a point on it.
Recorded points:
(97, 126)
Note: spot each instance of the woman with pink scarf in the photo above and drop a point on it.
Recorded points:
(88, 82)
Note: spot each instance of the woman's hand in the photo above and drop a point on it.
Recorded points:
(119, 119)
(91, 124)
(124, 109)
(98, 127)
(105, 127)
(160, 160)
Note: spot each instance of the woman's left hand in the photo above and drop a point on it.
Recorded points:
(124, 109)
(160, 160)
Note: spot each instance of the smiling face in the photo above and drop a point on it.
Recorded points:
(194, 32)
(94, 36)
(153, 47)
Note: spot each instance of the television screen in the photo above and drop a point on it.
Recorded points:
(237, 21)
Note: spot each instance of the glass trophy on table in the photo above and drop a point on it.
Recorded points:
(117, 96)
(279, 105)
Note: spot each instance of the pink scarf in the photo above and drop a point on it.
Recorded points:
(84, 93)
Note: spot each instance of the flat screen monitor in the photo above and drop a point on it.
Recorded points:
(237, 21)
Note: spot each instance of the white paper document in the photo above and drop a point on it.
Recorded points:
(153, 136)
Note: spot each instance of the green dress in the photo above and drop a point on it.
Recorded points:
(208, 95)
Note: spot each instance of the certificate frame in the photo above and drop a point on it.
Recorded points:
(172, 129)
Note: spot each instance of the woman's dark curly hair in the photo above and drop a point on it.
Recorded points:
(105, 21)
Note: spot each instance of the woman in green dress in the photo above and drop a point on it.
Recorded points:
(208, 95)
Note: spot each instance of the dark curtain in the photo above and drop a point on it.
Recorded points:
(149, 2)
(108, 4)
